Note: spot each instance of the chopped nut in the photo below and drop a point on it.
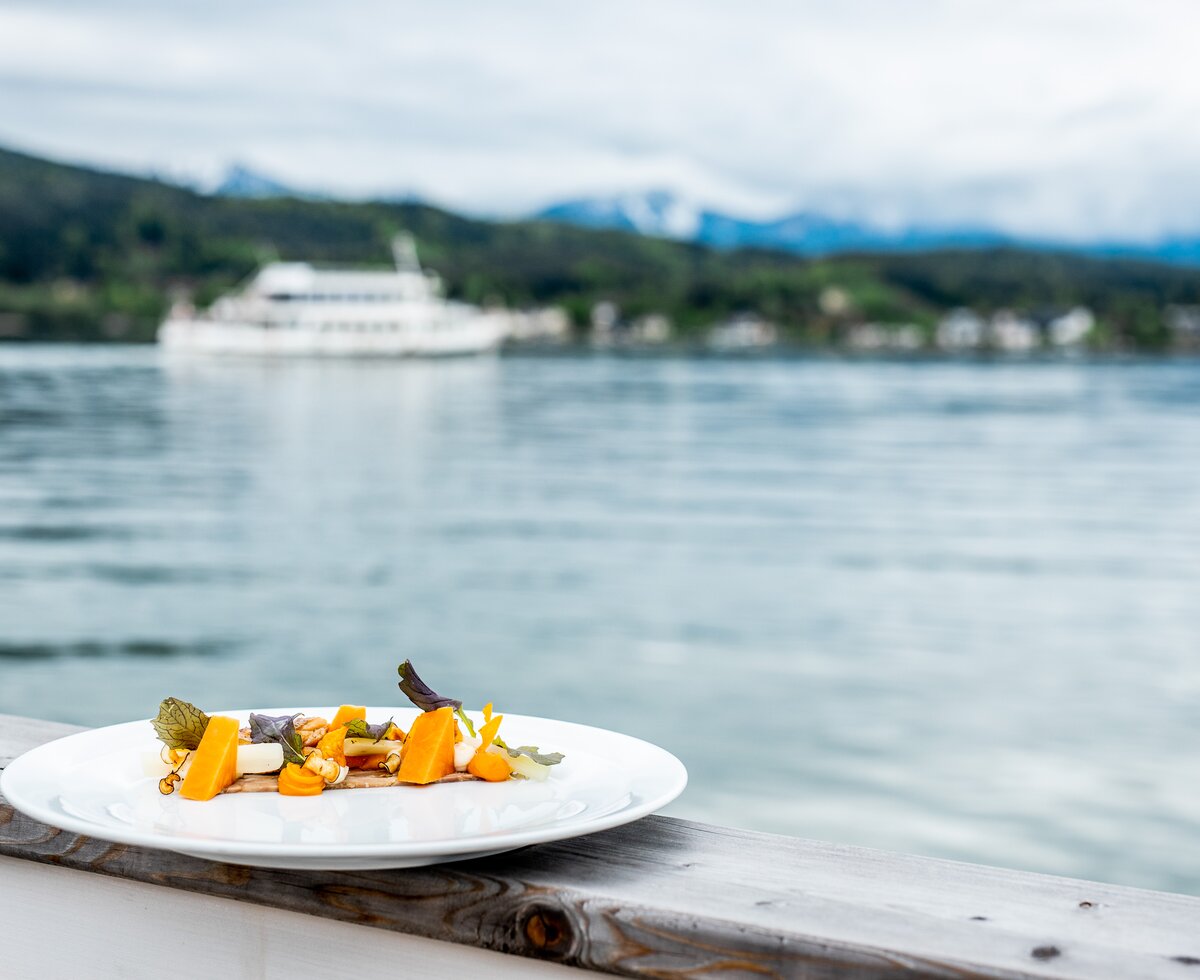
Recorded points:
(312, 736)
(328, 769)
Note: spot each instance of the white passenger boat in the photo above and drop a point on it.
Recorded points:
(292, 308)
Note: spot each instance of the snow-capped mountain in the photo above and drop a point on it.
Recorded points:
(658, 213)
(242, 181)
(664, 215)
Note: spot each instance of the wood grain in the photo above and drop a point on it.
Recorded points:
(670, 898)
(19, 735)
(96, 927)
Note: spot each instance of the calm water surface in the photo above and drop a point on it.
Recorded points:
(945, 608)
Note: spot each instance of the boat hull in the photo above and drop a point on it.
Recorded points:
(195, 336)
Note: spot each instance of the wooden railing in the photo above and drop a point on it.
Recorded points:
(656, 898)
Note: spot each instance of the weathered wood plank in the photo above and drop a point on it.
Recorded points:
(104, 928)
(19, 735)
(667, 898)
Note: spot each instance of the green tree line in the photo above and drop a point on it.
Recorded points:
(88, 255)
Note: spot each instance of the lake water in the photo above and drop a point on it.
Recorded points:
(945, 608)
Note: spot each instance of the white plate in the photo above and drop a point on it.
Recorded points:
(92, 783)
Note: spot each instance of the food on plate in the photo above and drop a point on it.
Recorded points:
(295, 780)
(348, 713)
(203, 757)
(428, 753)
(214, 764)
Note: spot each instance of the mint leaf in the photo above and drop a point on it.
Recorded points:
(420, 693)
(179, 725)
(281, 729)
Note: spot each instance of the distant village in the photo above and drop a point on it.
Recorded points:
(961, 330)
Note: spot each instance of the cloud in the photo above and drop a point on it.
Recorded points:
(1071, 119)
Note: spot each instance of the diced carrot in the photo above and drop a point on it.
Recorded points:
(490, 766)
(332, 745)
(346, 714)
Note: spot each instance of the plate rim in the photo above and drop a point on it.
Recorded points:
(224, 848)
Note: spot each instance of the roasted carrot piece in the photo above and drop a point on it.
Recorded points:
(490, 766)
(333, 745)
(297, 781)
(346, 714)
(429, 748)
(214, 763)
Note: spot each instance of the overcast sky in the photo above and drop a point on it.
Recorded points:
(1075, 118)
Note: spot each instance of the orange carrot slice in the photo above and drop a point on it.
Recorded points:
(487, 765)
(429, 748)
(332, 745)
(214, 763)
(296, 781)
(488, 731)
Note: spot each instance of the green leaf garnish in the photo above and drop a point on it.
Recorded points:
(465, 720)
(531, 751)
(281, 729)
(541, 758)
(179, 725)
(358, 728)
(420, 693)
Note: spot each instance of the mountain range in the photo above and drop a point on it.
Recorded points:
(87, 254)
(242, 181)
(664, 214)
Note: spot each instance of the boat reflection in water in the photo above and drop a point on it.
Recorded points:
(292, 308)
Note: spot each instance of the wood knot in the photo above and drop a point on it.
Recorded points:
(548, 929)
(234, 874)
(1046, 952)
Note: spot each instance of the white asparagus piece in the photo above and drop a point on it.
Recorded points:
(263, 757)
(369, 746)
(523, 765)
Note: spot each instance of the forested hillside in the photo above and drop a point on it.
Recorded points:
(87, 255)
